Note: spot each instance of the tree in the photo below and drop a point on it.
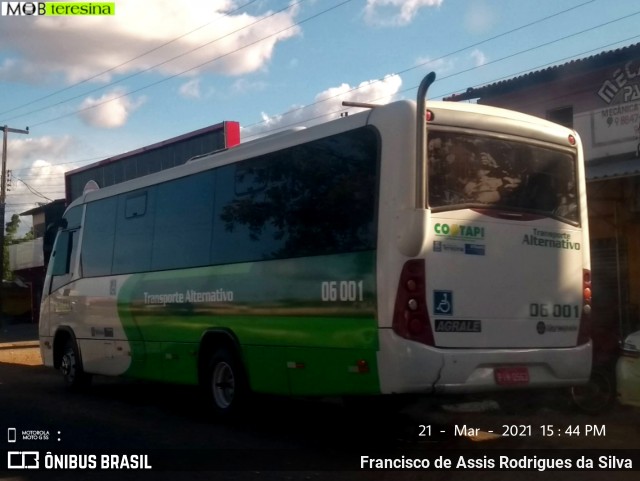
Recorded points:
(10, 237)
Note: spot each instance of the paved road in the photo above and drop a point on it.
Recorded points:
(307, 436)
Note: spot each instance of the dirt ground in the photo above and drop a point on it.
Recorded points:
(29, 356)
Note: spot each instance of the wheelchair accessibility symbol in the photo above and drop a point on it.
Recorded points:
(443, 303)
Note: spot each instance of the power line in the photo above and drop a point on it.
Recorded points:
(471, 46)
(99, 157)
(148, 69)
(250, 44)
(335, 112)
(550, 64)
(600, 48)
(153, 84)
(288, 113)
(451, 75)
(3, 199)
(16, 205)
(109, 70)
(38, 193)
(33, 191)
(408, 89)
(400, 72)
(546, 44)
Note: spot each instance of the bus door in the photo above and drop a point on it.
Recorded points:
(62, 299)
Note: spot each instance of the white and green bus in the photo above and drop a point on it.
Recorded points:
(408, 248)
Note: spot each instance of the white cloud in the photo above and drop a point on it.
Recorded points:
(81, 47)
(191, 89)
(45, 178)
(479, 58)
(328, 105)
(394, 13)
(24, 150)
(110, 111)
(39, 162)
(375, 91)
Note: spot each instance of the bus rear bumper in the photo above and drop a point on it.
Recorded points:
(410, 367)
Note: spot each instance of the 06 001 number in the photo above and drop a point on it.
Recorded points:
(343, 291)
(566, 311)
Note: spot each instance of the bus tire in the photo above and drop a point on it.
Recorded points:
(227, 383)
(71, 367)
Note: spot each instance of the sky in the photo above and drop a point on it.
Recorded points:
(91, 87)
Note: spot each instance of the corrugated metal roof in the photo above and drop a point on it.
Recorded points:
(613, 169)
(594, 62)
(43, 208)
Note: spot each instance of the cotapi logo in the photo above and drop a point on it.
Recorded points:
(462, 231)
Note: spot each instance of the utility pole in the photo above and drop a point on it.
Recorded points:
(3, 198)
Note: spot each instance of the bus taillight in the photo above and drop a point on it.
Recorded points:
(410, 315)
(584, 334)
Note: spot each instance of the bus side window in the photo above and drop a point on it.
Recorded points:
(62, 258)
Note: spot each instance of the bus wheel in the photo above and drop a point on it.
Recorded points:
(228, 384)
(71, 368)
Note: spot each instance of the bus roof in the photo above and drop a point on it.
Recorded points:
(455, 114)
(495, 119)
(263, 145)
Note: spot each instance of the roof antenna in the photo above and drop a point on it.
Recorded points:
(361, 105)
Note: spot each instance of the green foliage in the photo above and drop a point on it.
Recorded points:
(12, 227)
(11, 237)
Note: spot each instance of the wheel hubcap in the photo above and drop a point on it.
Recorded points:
(67, 366)
(223, 385)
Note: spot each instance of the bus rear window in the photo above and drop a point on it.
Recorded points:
(474, 171)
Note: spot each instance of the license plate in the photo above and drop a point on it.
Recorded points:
(509, 376)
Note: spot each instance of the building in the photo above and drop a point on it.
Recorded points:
(598, 96)
(152, 158)
(26, 260)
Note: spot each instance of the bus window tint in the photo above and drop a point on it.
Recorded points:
(136, 205)
(183, 223)
(63, 257)
(467, 170)
(73, 217)
(311, 199)
(99, 235)
(131, 251)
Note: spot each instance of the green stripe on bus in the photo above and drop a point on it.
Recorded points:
(302, 324)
